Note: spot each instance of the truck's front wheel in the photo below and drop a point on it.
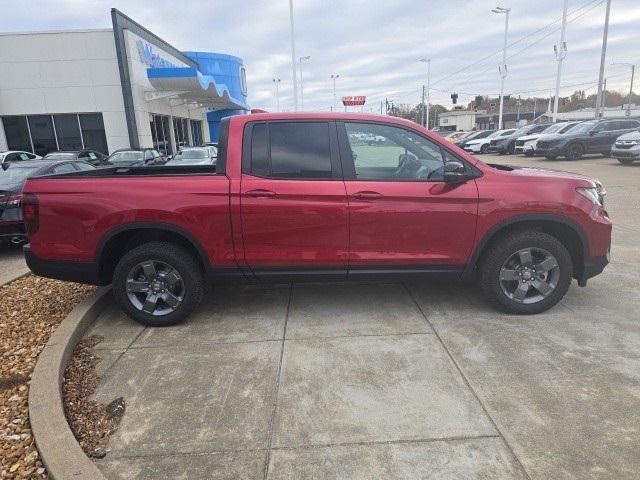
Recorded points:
(158, 284)
(526, 272)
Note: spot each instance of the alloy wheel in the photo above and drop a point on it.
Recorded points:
(155, 287)
(529, 275)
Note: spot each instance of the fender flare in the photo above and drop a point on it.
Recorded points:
(473, 261)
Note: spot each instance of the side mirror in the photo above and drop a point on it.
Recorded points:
(454, 172)
(594, 131)
(5, 165)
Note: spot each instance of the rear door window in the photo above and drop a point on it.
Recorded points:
(289, 150)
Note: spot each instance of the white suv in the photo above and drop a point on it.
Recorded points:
(482, 144)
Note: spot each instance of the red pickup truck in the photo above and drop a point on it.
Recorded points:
(309, 197)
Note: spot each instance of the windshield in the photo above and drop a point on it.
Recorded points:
(583, 127)
(14, 175)
(522, 131)
(60, 156)
(193, 153)
(554, 128)
(129, 156)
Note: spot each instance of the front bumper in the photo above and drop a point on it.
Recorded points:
(548, 151)
(633, 152)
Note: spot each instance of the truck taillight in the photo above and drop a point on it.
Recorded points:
(30, 213)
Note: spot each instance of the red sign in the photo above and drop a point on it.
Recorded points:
(351, 101)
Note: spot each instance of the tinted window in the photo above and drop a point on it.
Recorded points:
(44, 140)
(15, 129)
(384, 152)
(68, 132)
(259, 150)
(93, 131)
(300, 150)
(84, 166)
(628, 124)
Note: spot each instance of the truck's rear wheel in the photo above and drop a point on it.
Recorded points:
(158, 284)
(526, 272)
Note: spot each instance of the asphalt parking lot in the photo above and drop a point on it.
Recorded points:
(419, 380)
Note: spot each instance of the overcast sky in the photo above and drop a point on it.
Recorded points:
(374, 45)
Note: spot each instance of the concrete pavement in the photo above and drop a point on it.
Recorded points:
(12, 264)
(422, 380)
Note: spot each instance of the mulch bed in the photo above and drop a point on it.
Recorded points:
(30, 310)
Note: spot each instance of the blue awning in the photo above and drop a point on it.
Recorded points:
(188, 85)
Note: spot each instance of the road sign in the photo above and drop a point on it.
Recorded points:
(353, 101)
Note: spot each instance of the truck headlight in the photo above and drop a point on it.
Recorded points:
(594, 194)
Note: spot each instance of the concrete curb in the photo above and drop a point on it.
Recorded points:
(9, 282)
(59, 449)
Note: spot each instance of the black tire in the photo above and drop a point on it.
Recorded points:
(500, 252)
(191, 281)
(573, 151)
(625, 161)
(551, 157)
(528, 153)
(484, 148)
(511, 149)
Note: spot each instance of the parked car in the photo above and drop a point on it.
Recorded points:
(295, 197)
(482, 145)
(506, 144)
(626, 148)
(93, 157)
(193, 156)
(477, 135)
(527, 143)
(17, 156)
(455, 135)
(593, 136)
(12, 178)
(136, 157)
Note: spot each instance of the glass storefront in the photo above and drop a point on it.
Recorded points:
(160, 134)
(196, 132)
(180, 132)
(42, 134)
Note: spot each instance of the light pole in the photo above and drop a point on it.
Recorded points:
(301, 87)
(633, 71)
(561, 52)
(293, 59)
(503, 67)
(276, 82)
(428, 62)
(334, 78)
(603, 55)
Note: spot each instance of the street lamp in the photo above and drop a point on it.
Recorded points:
(276, 82)
(301, 87)
(334, 78)
(633, 71)
(428, 62)
(503, 67)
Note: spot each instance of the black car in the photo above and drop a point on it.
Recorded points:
(136, 157)
(473, 136)
(504, 145)
(94, 157)
(12, 178)
(593, 136)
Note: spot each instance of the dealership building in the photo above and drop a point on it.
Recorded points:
(115, 88)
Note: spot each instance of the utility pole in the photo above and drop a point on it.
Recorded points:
(633, 71)
(276, 82)
(428, 93)
(603, 56)
(334, 78)
(503, 67)
(603, 103)
(561, 52)
(293, 59)
(518, 115)
(301, 87)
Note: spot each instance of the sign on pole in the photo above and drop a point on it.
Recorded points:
(354, 101)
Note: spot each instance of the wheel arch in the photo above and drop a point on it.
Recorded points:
(568, 232)
(123, 238)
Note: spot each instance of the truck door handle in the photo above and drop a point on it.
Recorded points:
(260, 193)
(367, 195)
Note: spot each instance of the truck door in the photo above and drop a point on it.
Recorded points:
(293, 201)
(403, 216)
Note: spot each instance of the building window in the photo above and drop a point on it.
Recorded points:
(180, 132)
(93, 135)
(68, 132)
(160, 134)
(42, 135)
(196, 132)
(17, 133)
